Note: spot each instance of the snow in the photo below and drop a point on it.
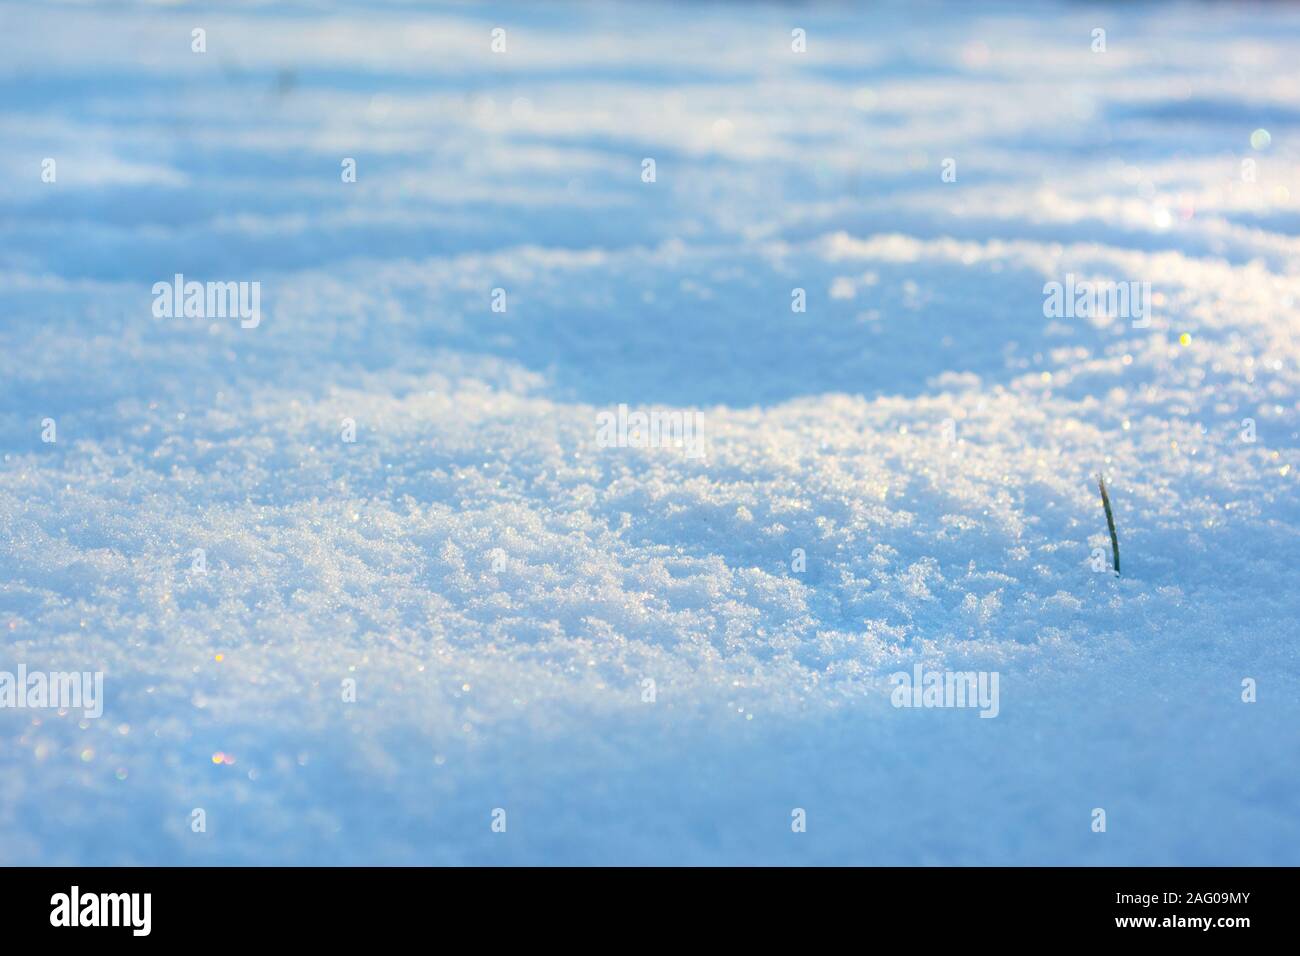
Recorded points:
(498, 585)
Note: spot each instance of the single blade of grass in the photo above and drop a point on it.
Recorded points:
(1110, 521)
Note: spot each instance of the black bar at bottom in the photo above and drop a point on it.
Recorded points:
(334, 906)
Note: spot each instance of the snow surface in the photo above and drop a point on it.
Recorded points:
(498, 585)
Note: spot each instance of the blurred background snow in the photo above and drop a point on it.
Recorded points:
(497, 585)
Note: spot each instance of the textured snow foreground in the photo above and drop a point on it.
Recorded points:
(498, 585)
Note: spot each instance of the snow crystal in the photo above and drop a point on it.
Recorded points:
(649, 657)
